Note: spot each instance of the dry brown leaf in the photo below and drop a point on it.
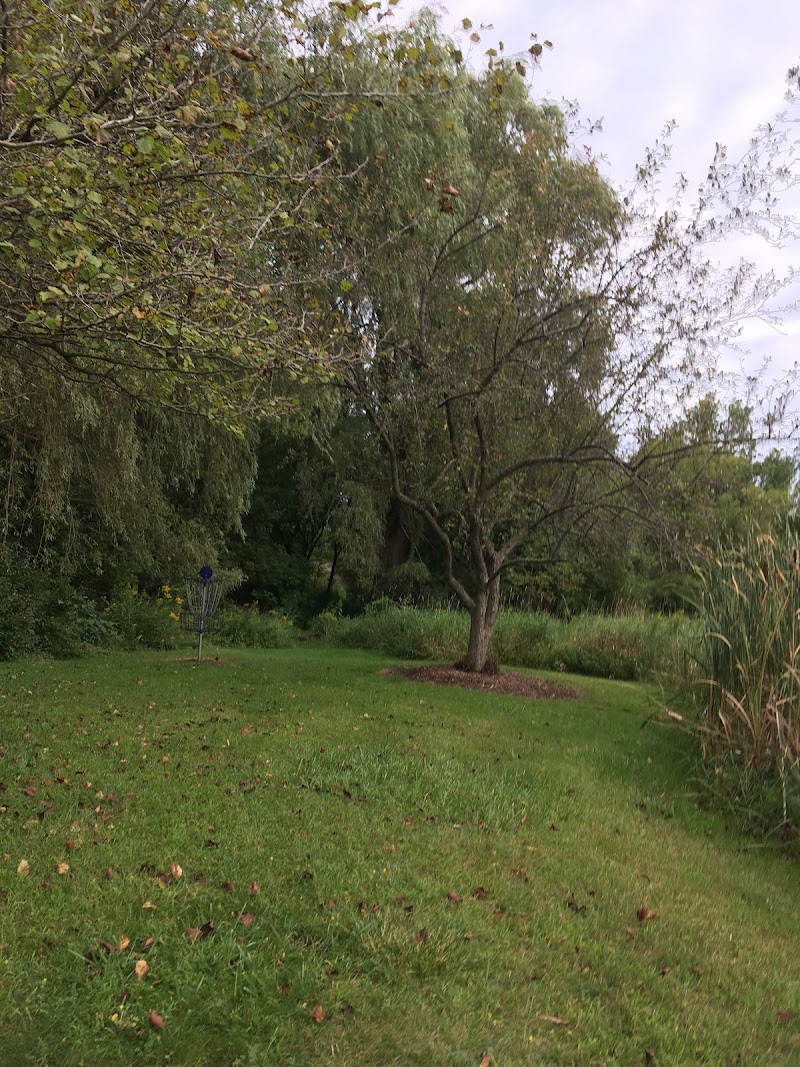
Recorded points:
(155, 1020)
(253, 891)
(246, 920)
(149, 904)
(110, 874)
(554, 1019)
(23, 867)
(784, 1016)
(486, 1060)
(140, 969)
(644, 913)
(62, 868)
(148, 943)
(453, 897)
(450, 190)
(243, 54)
(192, 933)
(479, 891)
(123, 943)
(176, 870)
(318, 1014)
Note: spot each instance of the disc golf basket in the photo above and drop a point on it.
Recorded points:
(203, 595)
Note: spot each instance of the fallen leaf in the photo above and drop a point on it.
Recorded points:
(110, 874)
(243, 54)
(62, 868)
(140, 969)
(399, 898)
(147, 943)
(246, 920)
(253, 891)
(318, 1014)
(207, 929)
(784, 1016)
(192, 933)
(479, 891)
(486, 1060)
(649, 1055)
(155, 1020)
(554, 1019)
(149, 904)
(421, 936)
(229, 887)
(453, 897)
(176, 870)
(644, 913)
(123, 943)
(23, 867)
(450, 190)
(209, 843)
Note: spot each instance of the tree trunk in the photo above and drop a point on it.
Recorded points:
(483, 618)
(336, 551)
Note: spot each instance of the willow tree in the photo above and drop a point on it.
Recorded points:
(160, 164)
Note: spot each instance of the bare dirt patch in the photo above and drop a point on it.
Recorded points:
(511, 683)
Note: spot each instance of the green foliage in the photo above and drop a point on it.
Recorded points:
(626, 647)
(42, 612)
(148, 621)
(248, 627)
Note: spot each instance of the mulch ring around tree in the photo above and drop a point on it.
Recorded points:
(511, 683)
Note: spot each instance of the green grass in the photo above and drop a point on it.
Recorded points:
(627, 647)
(340, 790)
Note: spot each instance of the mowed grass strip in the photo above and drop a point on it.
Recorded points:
(290, 857)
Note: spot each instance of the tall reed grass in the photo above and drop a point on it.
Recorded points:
(630, 647)
(751, 653)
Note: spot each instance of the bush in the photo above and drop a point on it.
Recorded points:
(41, 612)
(250, 628)
(149, 621)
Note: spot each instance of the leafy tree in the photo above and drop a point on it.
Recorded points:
(712, 492)
(524, 339)
(163, 168)
(315, 509)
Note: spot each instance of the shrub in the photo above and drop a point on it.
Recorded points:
(250, 628)
(149, 621)
(41, 612)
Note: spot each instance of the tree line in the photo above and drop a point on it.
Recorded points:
(304, 293)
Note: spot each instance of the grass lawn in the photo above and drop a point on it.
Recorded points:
(450, 877)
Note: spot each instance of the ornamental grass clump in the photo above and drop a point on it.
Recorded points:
(751, 653)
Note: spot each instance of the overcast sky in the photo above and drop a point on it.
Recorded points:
(717, 67)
